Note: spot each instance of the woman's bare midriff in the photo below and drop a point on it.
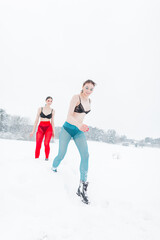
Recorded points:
(79, 117)
(44, 120)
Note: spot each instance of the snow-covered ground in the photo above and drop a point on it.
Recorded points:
(38, 204)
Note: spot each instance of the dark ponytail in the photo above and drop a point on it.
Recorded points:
(89, 81)
(48, 98)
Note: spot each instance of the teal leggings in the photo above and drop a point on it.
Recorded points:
(69, 131)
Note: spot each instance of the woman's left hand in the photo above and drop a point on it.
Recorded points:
(84, 128)
(53, 134)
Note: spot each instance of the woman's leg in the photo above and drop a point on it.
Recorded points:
(39, 138)
(64, 139)
(48, 135)
(81, 143)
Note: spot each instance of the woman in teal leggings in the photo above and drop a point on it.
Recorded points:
(74, 128)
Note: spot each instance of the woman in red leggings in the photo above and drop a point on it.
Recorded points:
(45, 128)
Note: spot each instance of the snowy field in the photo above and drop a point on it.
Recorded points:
(38, 204)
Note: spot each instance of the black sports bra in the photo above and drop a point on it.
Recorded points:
(42, 115)
(80, 108)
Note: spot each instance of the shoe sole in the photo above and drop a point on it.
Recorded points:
(79, 195)
(53, 170)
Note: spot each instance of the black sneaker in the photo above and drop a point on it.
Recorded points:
(78, 192)
(82, 192)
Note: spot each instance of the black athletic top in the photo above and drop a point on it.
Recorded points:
(80, 108)
(49, 116)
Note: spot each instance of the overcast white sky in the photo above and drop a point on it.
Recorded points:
(51, 47)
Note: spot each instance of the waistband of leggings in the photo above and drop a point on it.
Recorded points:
(71, 126)
(45, 122)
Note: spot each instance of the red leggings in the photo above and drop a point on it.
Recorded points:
(44, 129)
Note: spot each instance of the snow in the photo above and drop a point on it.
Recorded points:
(38, 204)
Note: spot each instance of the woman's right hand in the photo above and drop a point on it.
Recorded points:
(84, 128)
(53, 134)
(31, 134)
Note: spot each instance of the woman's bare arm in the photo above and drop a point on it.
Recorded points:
(52, 122)
(72, 106)
(36, 122)
(82, 127)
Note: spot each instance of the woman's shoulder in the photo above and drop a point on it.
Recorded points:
(76, 97)
(40, 109)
